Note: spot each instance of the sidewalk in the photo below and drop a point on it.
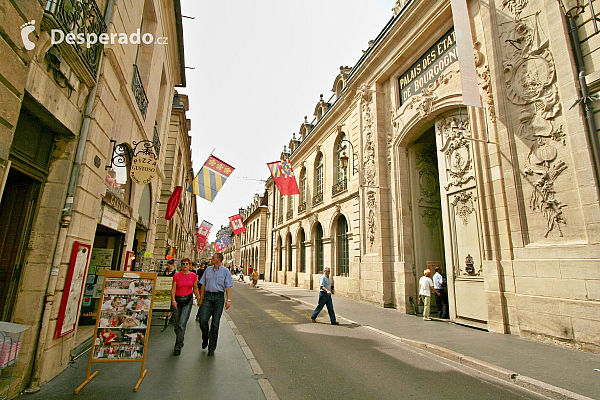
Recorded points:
(229, 374)
(548, 369)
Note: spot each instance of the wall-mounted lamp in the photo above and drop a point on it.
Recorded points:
(572, 8)
(344, 158)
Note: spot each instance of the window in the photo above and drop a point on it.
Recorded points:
(319, 248)
(280, 254)
(343, 258)
(319, 175)
(340, 150)
(302, 251)
(303, 186)
(289, 252)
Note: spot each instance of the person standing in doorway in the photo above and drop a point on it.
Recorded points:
(325, 298)
(425, 286)
(215, 293)
(441, 299)
(184, 286)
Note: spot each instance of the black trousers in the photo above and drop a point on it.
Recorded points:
(442, 303)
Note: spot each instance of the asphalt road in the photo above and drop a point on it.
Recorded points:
(303, 360)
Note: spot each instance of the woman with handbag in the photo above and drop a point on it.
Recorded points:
(184, 286)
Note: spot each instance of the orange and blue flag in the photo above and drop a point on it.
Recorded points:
(282, 174)
(211, 178)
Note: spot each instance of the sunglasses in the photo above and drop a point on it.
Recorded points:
(185, 263)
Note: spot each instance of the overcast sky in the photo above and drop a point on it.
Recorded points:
(260, 66)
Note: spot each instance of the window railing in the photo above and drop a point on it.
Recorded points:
(289, 215)
(302, 208)
(156, 141)
(280, 220)
(339, 187)
(139, 92)
(317, 199)
(80, 17)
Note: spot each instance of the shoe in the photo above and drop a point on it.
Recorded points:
(335, 323)
(204, 343)
(176, 352)
(426, 319)
(313, 320)
(211, 353)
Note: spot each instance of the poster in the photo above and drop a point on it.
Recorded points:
(74, 286)
(162, 295)
(101, 258)
(122, 327)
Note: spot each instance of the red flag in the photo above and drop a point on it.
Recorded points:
(282, 174)
(237, 224)
(218, 247)
(173, 203)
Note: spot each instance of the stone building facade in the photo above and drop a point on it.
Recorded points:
(253, 242)
(176, 237)
(503, 197)
(71, 117)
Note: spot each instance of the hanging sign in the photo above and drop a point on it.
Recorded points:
(143, 169)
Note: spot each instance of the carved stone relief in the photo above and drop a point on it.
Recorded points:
(429, 186)
(530, 79)
(463, 206)
(457, 151)
(314, 218)
(371, 221)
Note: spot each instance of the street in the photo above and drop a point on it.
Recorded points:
(304, 360)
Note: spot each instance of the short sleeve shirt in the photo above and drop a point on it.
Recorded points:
(216, 281)
(326, 282)
(425, 283)
(184, 283)
(437, 280)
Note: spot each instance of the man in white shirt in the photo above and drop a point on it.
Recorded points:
(441, 299)
(325, 298)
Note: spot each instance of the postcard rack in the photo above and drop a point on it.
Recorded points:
(10, 344)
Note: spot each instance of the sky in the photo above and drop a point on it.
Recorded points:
(259, 68)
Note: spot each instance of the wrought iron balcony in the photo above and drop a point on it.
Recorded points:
(280, 220)
(156, 141)
(289, 215)
(139, 92)
(339, 187)
(317, 199)
(79, 17)
(302, 208)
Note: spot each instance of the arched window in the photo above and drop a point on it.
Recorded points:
(319, 179)
(289, 251)
(303, 186)
(280, 208)
(302, 251)
(290, 207)
(343, 257)
(280, 254)
(319, 248)
(340, 150)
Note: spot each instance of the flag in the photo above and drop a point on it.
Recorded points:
(237, 224)
(226, 240)
(173, 203)
(282, 174)
(219, 246)
(211, 178)
(204, 229)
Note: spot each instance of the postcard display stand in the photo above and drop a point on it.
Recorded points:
(123, 322)
(10, 344)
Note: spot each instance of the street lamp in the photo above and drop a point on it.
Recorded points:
(344, 157)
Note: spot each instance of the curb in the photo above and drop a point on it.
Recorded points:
(526, 382)
(259, 375)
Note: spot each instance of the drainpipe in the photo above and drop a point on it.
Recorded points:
(43, 335)
(591, 131)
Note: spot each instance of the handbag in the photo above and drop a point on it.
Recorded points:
(183, 300)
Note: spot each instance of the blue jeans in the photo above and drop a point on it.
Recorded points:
(212, 305)
(324, 299)
(180, 319)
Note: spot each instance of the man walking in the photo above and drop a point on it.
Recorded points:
(215, 293)
(325, 298)
(441, 298)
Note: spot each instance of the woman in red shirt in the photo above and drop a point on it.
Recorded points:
(184, 286)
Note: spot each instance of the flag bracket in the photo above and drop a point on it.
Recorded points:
(122, 153)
